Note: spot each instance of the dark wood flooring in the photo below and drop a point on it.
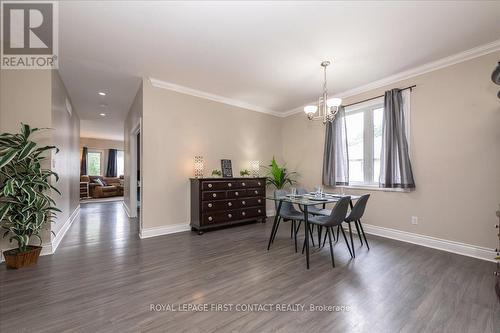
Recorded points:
(103, 278)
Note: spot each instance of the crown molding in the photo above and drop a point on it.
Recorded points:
(416, 71)
(217, 98)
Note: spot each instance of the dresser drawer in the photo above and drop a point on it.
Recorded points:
(250, 202)
(250, 212)
(255, 192)
(219, 185)
(210, 195)
(250, 183)
(212, 206)
(235, 194)
(221, 217)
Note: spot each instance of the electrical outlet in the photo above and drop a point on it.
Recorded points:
(414, 220)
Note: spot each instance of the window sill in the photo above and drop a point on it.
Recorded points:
(375, 188)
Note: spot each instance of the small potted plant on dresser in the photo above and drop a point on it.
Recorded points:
(244, 173)
(216, 173)
(25, 205)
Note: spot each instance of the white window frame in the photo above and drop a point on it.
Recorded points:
(123, 152)
(368, 123)
(103, 156)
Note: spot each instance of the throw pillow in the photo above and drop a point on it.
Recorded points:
(99, 181)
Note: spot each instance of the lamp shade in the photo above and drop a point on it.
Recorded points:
(335, 102)
(198, 166)
(255, 168)
(310, 109)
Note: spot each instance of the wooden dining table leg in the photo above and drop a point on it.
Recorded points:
(306, 224)
(274, 224)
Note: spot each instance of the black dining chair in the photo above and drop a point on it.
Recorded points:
(337, 216)
(287, 213)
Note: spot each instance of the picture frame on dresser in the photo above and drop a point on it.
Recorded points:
(219, 202)
(227, 168)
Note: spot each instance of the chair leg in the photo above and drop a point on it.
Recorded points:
(364, 235)
(276, 230)
(295, 234)
(320, 229)
(298, 228)
(329, 231)
(324, 239)
(359, 233)
(352, 242)
(292, 228)
(346, 242)
(338, 229)
(312, 238)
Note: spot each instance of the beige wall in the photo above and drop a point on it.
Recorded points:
(455, 144)
(65, 136)
(101, 143)
(38, 98)
(131, 124)
(176, 127)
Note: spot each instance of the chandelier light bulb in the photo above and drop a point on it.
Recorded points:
(310, 109)
(334, 102)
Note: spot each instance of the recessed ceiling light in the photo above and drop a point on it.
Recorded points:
(102, 114)
(102, 93)
(103, 105)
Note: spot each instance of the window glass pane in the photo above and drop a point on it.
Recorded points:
(120, 163)
(355, 129)
(94, 164)
(378, 116)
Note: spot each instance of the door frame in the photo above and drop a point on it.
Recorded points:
(137, 129)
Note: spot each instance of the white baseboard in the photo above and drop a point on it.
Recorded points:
(270, 212)
(432, 242)
(127, 210)
(164, 230)
(62, 232)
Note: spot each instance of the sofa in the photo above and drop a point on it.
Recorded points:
(113, 186)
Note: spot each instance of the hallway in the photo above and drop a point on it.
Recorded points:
(103, 278)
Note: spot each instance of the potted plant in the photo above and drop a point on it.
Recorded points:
(24, 202)
(279, 175)
(244, 173)
(216, 173)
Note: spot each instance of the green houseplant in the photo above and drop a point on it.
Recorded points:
(279, 176)
(244, 173)
(25, 204)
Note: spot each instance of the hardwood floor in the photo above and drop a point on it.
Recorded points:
(103, 278)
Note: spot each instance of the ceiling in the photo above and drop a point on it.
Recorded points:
(265, 54)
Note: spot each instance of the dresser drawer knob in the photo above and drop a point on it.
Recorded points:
(258, 183)
(229, 215)
(236, 193)
(210, 218)
(229, 184)
(259, 201)
(209, 185)
(214, 195)
(229, 204)
(256, 192)
(243, 202)
(209, 205)
(243, 213)
(242, 184)
(260, 211)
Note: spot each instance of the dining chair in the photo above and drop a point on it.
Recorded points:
(355, 216)
(335, 219)
(287, 213)
(313, 210)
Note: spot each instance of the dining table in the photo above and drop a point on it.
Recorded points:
(305, 201)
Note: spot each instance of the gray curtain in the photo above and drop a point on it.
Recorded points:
(112, 162)
(395, 165)
(83, 162)
(335, 158)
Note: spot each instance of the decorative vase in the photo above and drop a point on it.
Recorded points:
(15, 259)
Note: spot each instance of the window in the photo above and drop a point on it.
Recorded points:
(364, 141)
(120, 163)
(94, 160)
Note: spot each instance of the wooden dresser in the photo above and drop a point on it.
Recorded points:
(217, 202)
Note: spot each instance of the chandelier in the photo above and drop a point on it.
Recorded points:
(326, 109)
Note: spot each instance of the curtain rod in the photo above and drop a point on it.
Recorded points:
(369, 99)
